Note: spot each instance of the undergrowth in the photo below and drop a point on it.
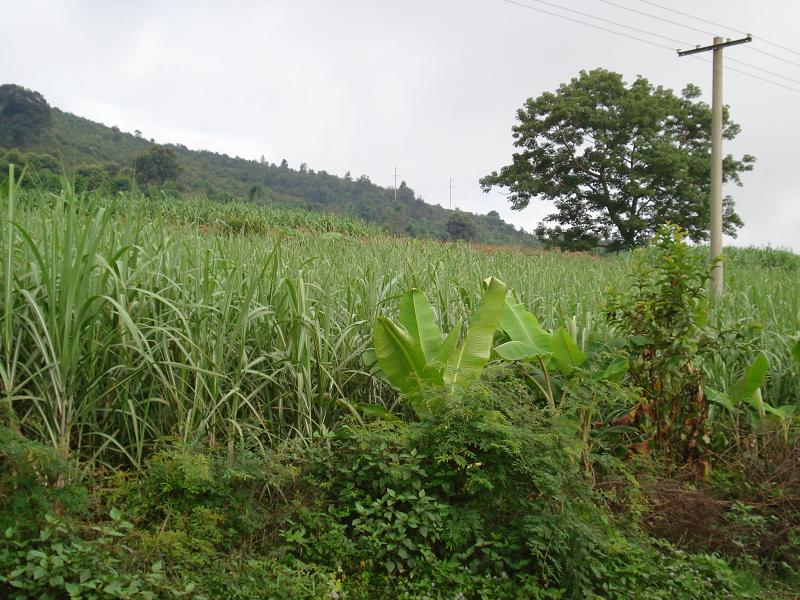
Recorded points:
(485, 497)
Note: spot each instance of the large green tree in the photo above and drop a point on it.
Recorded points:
(156, 166)
(460, 226)
(617, 161)
(24, 115)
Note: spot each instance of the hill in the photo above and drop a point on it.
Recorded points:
(80, 144)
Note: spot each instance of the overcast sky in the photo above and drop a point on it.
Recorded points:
(428, 86)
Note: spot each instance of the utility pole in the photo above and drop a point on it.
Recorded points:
(451, 193)
(395, 185)
(716, 154)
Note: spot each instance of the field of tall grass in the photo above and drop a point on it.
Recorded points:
(127, 321)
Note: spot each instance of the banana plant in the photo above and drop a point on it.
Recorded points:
(746, 389)
(555, 350)
(414, 351)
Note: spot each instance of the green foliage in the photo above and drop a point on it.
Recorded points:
(156, 166)
(238, 323)
(663, 322)
(245, 331)
(618, 161)
(42, 171)
(414, 351)
(24, 115)
(225, 178)
(195, 489)
(486, 494)
(32, 482)
(460, 227)
(484, 497)
(60, 563)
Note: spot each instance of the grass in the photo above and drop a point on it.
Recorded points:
(128, 321)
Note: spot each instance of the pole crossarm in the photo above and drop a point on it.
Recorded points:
(697, 50)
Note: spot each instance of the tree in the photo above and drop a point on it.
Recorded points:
(156, 166)
(460, 227)
(617, 161)
(255, 192)
(24, 115)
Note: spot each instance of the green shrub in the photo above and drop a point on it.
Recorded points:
(35, 481)
(63, 560)
(486, 497)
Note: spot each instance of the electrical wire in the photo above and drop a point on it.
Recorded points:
(646, 14)
(610, 22)
(703, 31)
(786, 87)
(664, 37)
(754, 76)
(646, 41)
(547, 12)
(661, 6)
(765, 53)
(757, 68)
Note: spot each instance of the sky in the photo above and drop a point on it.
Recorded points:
(430, 87)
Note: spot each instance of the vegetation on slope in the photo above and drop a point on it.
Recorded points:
(80, 144)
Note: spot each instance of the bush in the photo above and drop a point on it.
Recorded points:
(62, 559)
(486, 497)
(35, 481)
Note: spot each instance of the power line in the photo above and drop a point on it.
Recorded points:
(765, 53)
(646, 41)
(729, 68)
(658, 35)
(787, 87)
(672, 10)
(652, 16)
(566, 18)
(609, 21)
(752, 66)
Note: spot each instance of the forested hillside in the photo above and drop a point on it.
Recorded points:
(87, 147)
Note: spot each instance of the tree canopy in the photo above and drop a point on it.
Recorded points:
(157, 165)
(617, 161)
(460, 226)
(24, 115)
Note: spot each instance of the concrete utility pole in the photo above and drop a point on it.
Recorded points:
(395, 185)
(716, 154)
(451, 193)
